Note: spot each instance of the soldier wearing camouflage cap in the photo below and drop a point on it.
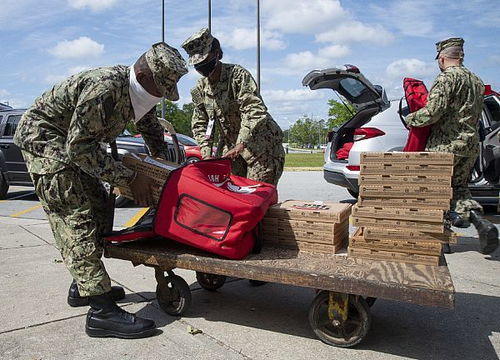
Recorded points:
(62, 135)
(227, 97)
(453, 109)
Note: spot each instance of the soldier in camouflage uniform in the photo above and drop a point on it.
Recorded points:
(453, 109)
(227, 96)
(63, 138)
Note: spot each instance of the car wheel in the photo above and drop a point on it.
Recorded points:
(4, 187)
(354, 194)
(192, 159)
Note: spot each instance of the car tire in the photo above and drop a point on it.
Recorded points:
(4, 187)
(354, 194)
(192, 159)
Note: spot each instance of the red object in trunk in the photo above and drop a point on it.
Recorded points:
(416, 98)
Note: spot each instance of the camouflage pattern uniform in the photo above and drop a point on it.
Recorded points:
(63, 138)
(239, 112)
(454, 107)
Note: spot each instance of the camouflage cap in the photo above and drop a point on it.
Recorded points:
(456, 45)
(167, 66)
(198, 46)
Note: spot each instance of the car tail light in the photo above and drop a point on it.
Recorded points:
(366, 133)
(353, 167)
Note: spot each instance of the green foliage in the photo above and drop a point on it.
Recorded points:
(179, 118)
(338, 113)
(306, 132)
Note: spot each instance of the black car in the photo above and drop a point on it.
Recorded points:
(13, 170)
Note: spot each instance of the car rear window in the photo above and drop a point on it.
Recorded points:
(11, 125)
(494, 108)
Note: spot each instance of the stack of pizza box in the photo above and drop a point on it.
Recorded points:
(402, 202)
(309, 226)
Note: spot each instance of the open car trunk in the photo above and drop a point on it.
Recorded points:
(351, 85)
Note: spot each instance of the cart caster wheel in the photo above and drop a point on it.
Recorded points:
(349, 334)
(370, 301)
(210, 282)
(173, 295)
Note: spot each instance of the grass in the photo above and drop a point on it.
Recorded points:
(304, 160)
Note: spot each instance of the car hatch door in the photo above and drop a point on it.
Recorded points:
(350, 84)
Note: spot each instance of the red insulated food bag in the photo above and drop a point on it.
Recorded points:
(205, 206)
(416, 98)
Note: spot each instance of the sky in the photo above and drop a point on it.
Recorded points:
(43, 42)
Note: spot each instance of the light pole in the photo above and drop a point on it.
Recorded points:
(210, 16)
(258, 45)
(163, 105)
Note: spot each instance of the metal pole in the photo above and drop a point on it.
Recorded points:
(258, 45)
(163, 105)
(210, 15)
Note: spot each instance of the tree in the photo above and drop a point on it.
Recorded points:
(338, 113)
(307, 132)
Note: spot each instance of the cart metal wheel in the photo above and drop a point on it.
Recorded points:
(353, 325)
(210, 282)
(370, 301)
(173, 295)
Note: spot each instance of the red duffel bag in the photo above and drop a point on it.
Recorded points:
(205, 206)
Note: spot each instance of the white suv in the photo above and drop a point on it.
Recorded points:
(378, 126)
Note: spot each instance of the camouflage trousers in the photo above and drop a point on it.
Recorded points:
(266, 169)
(462, 201)
(76, 206)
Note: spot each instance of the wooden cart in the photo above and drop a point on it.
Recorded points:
(346, 287)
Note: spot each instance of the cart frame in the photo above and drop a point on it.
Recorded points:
(346, 286)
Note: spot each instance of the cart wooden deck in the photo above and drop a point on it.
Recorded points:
(418, 284)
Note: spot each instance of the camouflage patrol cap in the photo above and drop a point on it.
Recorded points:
(454, 47)
(198, 46)
(167, 66)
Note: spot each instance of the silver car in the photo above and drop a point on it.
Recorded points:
(378, 125)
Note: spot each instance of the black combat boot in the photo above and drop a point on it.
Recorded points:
(457, 221)
(75, 300)
(106, 319)
(488, 233)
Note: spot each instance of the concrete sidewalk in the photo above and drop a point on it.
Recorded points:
(238, 321)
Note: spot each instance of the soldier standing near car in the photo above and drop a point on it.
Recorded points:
(227, 96)
(63, 138)
(453, 109)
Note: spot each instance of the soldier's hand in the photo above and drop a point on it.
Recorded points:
(234, 152)
(142, 190)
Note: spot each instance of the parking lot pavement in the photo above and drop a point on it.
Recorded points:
(237, 321)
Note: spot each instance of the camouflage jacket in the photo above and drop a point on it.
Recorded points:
(454, 106)
(70, 125)
(239, 111)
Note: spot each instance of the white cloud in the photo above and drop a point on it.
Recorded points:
(94, 5)
(246, 38)
(291, 95)
(355, 31)
(299, 16)
(81, 47)
(4, 92)
(410, 68)
(55, 78)
(306, 60)
(334, 51)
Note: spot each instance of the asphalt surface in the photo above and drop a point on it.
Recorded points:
(237, 321)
